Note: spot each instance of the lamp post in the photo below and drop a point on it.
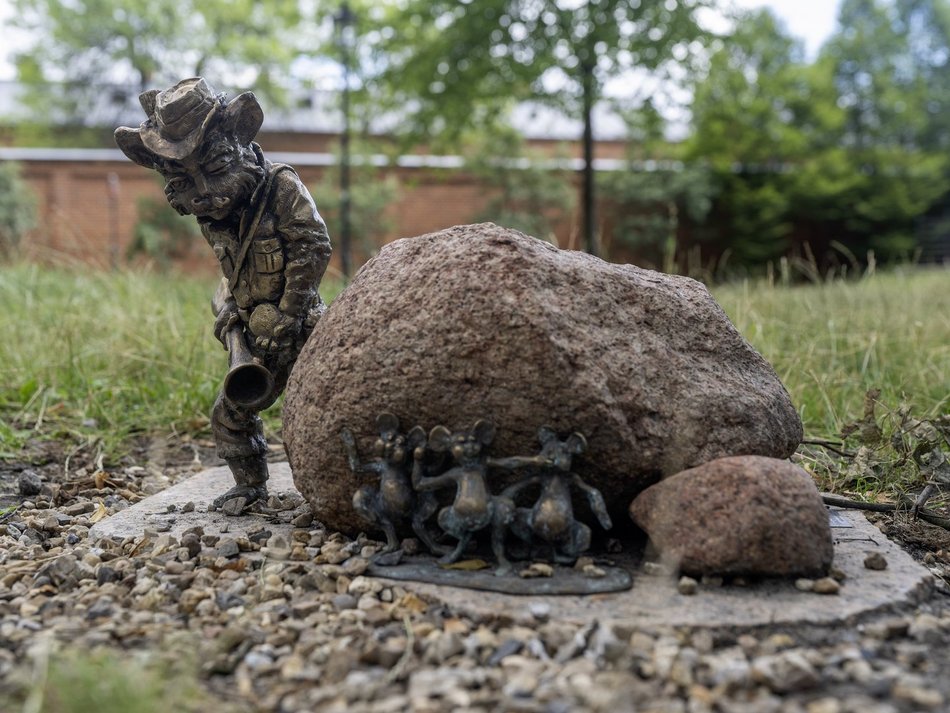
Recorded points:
(343, 22)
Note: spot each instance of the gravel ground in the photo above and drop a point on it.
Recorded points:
(292, 625)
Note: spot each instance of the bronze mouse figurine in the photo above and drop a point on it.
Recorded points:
(393, 500)
(474, 507)
(551, 519)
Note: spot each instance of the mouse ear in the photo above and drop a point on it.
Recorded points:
(388, 425)
(484, 432)
(416, 437)
(576, 443)
(545, 434)
(440, 438)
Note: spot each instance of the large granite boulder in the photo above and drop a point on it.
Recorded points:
(744, 515)
(479, 321)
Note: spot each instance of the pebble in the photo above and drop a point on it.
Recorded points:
(540, 610)
(344, 601)
(687, 586)
(355, 566)
(593, 571)
(918, 695)
(304, 519)
(509, 647)
(297, 635)
(537, 569)
(234, 506)
(785, 672)
(926, 628)
(29, 483)
(227, 547)
(826, 585)
(803, 584)
(875, 561)
(656, 569)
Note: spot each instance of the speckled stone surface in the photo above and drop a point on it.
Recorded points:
(153, 512)
(738, 515)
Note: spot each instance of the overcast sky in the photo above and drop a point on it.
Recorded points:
(812, 20)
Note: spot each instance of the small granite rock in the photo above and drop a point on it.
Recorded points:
(744, 515)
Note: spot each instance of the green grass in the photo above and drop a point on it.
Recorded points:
(96, 355)
(108, 355)
(867, 363)
(103, 681)
(832, 343)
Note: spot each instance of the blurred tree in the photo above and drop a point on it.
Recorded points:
(646, 205)
(888, 63)
(87, 54)
(530, 192)
(843, 150)
(459, 64)
(747, 124)
(160, 234)
(371, 193)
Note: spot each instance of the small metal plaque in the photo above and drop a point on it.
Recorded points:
(837, 520)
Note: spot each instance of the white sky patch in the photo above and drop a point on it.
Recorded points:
(811, 20)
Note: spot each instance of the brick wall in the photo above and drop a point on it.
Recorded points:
(82, 219)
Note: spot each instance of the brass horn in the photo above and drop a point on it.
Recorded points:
(248, 384)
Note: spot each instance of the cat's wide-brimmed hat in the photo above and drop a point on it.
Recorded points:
(179, 118)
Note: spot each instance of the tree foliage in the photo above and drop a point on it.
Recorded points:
(85, 50)
(457, 63)
(371, 194)
(646, 207)
(844, 150)
(161, 234)
(529, 192)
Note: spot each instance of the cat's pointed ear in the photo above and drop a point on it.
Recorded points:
(243, 117)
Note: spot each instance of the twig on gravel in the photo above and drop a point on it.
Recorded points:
(398, 671)
(926, 515)
(833, 446)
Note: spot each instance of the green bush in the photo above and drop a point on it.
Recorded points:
(160, 233)
(17, 209)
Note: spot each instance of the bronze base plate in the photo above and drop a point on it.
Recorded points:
(564, 580)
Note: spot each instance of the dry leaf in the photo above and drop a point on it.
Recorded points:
(467, 565)
(101, 477)
(413, 603)
(99, 514)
